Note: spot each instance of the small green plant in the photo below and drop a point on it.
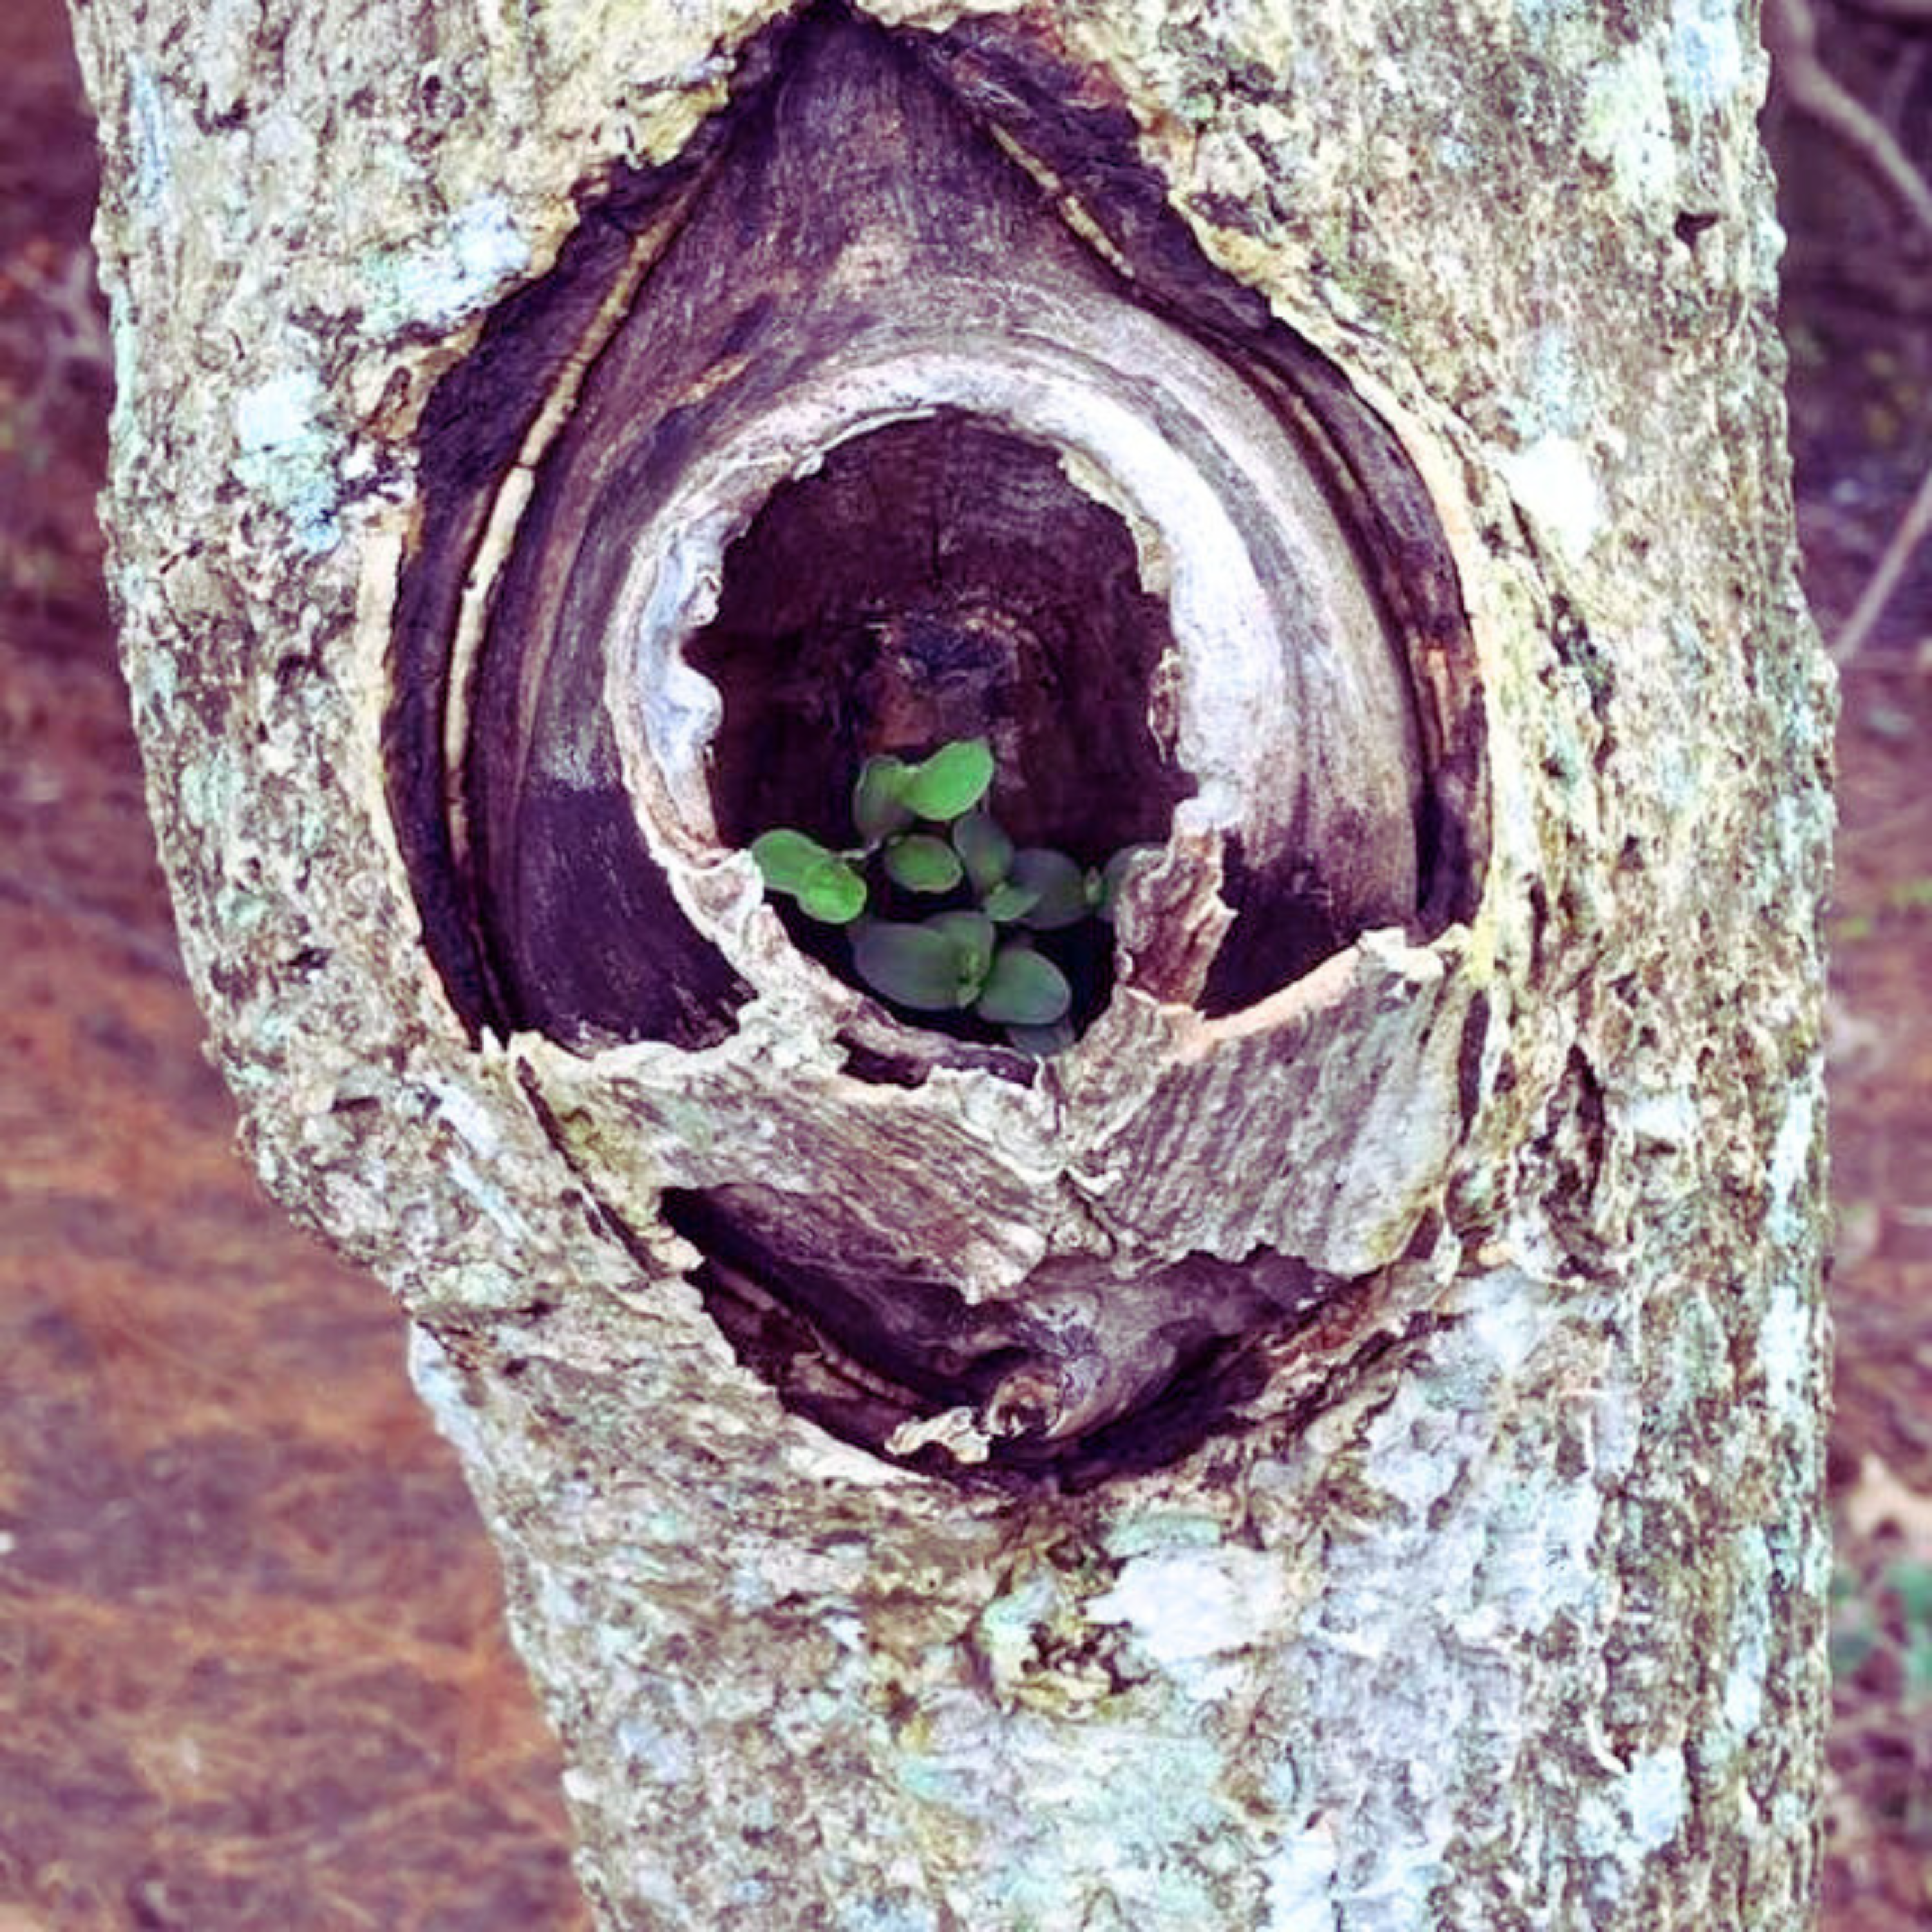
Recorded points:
(924, 833)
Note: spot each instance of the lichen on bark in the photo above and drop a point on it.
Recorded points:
(1508, 1612)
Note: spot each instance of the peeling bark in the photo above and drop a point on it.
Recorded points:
(1339, 1446)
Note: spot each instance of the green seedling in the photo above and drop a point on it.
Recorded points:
(923, 864)
(826, 884)
(925, 829)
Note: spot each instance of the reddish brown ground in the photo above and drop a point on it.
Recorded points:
(251, 1673)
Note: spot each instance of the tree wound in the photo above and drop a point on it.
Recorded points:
(843, 442)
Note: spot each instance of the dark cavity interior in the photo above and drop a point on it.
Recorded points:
(936, 580)
(860, 1346)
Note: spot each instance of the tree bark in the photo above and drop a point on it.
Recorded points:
(1340, 1445)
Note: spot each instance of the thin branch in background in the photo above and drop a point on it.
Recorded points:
(1791, 34)
(1911, 532)
(1896, 91)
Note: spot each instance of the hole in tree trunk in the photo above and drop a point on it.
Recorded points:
(936, 580)
(835, 437)
(873, 255)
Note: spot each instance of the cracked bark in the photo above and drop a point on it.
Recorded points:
(1340, 1447)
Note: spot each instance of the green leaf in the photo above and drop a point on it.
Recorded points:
(1042, 1042)
(971, 935)
(914, 966)
(1059, 887)
(879, 807)
(785, 857)
(952, 781)
(982, 842)
(832, 892)
(1007, 902)
(1024, 988)
(923, 864)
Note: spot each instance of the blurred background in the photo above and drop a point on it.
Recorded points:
(251, 1670)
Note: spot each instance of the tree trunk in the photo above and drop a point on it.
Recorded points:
(1335, 1439)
